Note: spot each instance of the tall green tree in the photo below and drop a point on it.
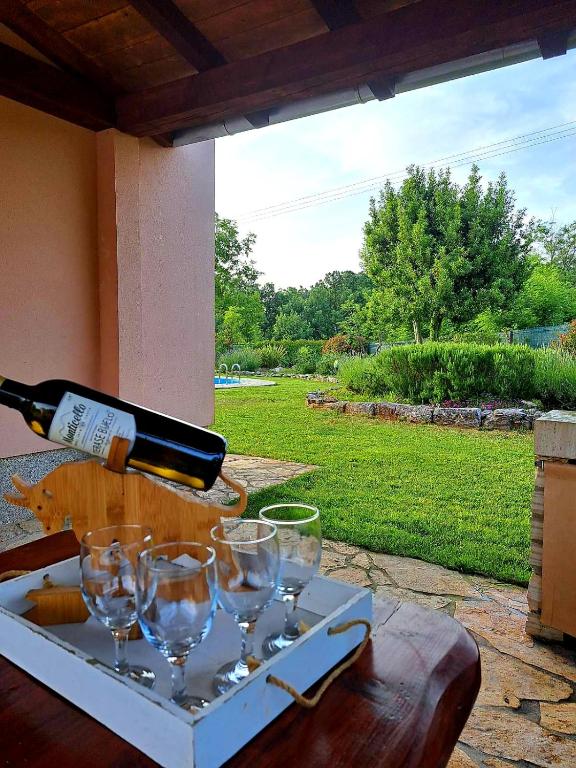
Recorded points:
(547, 298)
(290, 326)
(556, 244)
(438, 252)
(323, 307)
(238, 304)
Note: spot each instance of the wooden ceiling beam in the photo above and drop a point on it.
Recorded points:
(554, 42)
(337, 13)
(410, 39)
(40, 85)
(169, 21)
(34, 30)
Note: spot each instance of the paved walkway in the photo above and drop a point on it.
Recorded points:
(525, 715)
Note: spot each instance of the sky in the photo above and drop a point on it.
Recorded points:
(264, 167)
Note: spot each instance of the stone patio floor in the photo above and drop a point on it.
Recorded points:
(525, 714)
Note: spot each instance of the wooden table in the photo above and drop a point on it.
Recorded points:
(402, 705)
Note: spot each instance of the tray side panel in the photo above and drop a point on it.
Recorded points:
(151, 725)
(237, 717)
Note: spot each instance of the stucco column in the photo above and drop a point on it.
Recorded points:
(156, 267)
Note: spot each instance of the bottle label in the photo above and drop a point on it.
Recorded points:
(90, 426)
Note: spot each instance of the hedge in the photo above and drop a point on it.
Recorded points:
(434, 372)
(292, 348)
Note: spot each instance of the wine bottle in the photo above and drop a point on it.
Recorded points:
(83, 418)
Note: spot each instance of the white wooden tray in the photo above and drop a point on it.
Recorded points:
(73, 660)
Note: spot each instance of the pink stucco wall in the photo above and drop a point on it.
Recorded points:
(162, 294)
(48, 257)
(106, 266)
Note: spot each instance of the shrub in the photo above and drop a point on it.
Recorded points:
(364, 375)
(272, 355)
(248, 359)
(292, 348)
(555, 378)
(435, 372)
(328, 365)
(567, 341)
(307, 359)
(337, 345)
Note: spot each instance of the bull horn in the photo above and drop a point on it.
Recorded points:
(20, 500)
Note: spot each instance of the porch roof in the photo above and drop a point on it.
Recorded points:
(183, 70)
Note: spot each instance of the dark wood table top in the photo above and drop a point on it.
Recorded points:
(402, 705)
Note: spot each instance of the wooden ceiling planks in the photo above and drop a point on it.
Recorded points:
(258, 26)
(369, 8)
(273, 36)
(41, 36)
(180, 32)
(183, 63)
(337, 13)
(153, 61)
(54, 91)
(63, 15)
(410, 39)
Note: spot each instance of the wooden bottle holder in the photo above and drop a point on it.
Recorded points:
(89, 495)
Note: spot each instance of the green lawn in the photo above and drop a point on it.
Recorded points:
(455, 497)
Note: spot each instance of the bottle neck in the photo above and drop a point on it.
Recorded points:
(13, 394)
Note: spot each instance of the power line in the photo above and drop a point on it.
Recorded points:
(520, 137)
(373, 187)
(485, 152)
(336, 194)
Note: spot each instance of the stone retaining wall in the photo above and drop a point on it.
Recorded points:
(472, 418)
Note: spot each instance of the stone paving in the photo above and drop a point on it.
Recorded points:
(525, 714)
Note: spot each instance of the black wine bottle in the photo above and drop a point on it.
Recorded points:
(83, 418)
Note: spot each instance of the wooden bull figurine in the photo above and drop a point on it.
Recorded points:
(92, 495)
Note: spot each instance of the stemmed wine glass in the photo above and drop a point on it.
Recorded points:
(300, 541)
(248, 563)
(108, 560)
(177, 597)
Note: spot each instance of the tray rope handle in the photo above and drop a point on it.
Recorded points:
(5, 575)
(311, 702)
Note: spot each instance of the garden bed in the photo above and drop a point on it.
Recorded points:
(505, 419)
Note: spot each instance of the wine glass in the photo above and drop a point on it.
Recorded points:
(247, 563)
(300, 541)
(108, 560)
(177, 597)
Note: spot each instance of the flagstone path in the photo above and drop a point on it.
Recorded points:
(525, 714)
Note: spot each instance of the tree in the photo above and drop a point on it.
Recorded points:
(439, 253)
(323, 307)
(327, 304)
(232, 329)
(556, 244)
(290, 326)
(547, 298)
(237, 289)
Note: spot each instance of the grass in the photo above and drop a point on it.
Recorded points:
(454, 497)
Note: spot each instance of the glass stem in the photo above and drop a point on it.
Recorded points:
(178, 672)
(120, 661)
(247, 630)
(291, 629)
